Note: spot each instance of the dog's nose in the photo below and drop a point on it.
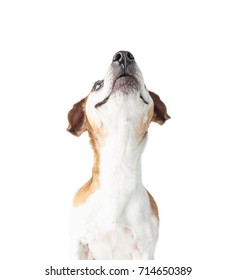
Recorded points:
(123, 57)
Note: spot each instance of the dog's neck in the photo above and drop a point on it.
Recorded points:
(117, 162)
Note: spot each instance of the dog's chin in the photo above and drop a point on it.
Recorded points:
(126, 85)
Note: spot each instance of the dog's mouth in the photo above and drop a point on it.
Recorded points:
(120, 81)
(124, 75)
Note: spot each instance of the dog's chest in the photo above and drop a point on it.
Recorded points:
(105, 208)
(111, 225)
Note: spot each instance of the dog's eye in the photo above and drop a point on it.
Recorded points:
(97, 85)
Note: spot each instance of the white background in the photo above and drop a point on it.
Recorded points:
(51, 54)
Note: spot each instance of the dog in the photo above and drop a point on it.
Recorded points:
(113, 215)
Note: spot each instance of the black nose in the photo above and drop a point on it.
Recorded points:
(123, 57)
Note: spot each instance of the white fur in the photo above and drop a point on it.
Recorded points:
(116, 221)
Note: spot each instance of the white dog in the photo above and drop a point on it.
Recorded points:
(113, 215)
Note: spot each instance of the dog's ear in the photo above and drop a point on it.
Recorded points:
(77, 118)
(160, 112)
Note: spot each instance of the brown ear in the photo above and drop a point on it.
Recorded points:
(77, 118)
(160, 112)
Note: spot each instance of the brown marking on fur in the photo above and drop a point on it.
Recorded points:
(78, 123)
(153, 205)
(95, 147)
(92, 185)
(143, 127)
(96, 130)
(82, 194)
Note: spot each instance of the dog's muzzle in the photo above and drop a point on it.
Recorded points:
(123, 70)
(123, 64)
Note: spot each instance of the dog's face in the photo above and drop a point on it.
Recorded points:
(120, 99)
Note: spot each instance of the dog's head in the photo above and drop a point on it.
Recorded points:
(120, 99)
